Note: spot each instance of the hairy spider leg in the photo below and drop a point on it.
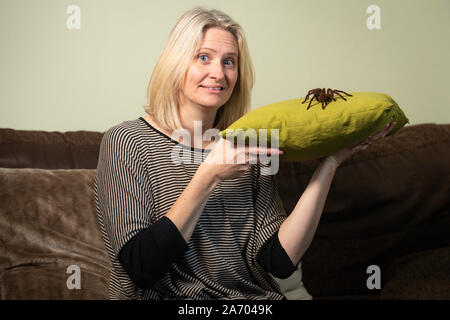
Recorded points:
(336, 91)
(314, 96)
(306, 98)
(309, 92)
(343, 92)
(330, 94)
(314, 92)
(340, 96)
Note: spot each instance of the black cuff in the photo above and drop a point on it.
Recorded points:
(273, 258)
(148, 255)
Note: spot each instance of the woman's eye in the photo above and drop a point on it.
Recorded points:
(205, 58)
(229, 62)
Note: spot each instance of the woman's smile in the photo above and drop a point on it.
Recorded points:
(213, 89)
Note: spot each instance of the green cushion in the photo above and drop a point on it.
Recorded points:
(310, 134)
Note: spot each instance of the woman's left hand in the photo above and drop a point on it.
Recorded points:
(342, 155)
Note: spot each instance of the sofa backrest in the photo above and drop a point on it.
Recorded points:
(49, 150)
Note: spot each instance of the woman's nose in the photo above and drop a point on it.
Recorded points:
(216, 71)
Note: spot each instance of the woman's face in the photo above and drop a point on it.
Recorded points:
(213, 73)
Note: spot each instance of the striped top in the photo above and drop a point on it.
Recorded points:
(136, 184)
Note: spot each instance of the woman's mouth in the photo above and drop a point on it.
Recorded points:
(213, 89)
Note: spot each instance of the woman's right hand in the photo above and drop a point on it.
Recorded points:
(225, 161)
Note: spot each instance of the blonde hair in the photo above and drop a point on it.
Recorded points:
(169, 72)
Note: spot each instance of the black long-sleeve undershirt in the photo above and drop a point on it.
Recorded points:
(148, 255)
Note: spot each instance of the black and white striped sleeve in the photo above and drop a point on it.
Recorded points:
(125, 202)
(145, 247)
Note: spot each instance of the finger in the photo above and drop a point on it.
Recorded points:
(244, 157)
(388, 128)
(245, 167)
(260, 150)
(364, 147)
(363, 143)
(251, 157)
(382, 133)
(264, 151)
(358, 148)
(391, 125)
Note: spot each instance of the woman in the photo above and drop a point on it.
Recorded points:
(212, 229)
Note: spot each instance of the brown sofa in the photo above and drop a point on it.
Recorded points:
(388, 206)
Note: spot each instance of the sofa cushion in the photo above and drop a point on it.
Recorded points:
(49, 150)
(310, 134)
(386, 201)
(48, 281)
(420, 275)
(48, 223)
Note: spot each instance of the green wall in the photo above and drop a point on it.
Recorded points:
(55, 78)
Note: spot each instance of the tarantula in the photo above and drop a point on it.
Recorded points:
(323, 96)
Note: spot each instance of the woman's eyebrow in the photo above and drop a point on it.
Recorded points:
(211, 49)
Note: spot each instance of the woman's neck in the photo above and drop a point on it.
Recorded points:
(203, 118)
(194, 122)
(197, 120)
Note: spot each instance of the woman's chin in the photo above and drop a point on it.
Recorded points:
(212, 104)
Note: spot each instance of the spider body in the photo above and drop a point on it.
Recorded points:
(324, 96)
